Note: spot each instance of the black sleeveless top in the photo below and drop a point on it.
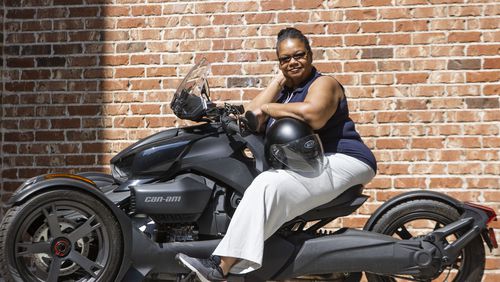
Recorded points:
(338, 135)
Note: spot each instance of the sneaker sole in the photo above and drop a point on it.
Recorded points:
(193, 269)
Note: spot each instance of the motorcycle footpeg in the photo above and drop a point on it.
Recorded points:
(190, 277)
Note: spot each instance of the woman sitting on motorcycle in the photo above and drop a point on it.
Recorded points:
(276, 196)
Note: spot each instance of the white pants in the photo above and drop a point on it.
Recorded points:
(278, 196)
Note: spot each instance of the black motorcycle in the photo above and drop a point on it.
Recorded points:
(175, 192)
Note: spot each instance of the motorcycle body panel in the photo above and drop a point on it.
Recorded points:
(38, 184)
(144, 144)
(221, 159)
(184, 198)
(203, 148)
(154, 155)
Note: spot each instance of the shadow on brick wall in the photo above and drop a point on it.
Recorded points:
(1, 102)
(55, 64)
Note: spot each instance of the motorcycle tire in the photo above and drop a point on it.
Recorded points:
(60, 235)
(470, 264)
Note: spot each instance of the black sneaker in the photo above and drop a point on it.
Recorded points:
(207, 270)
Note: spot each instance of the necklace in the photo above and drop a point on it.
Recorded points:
(289, 97)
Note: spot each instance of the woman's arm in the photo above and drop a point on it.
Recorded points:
(268, 95)
(318, 107)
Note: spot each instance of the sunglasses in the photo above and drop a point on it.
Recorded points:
(297, 56)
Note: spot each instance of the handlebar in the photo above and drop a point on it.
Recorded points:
(233, 121)
(231, 125)
(239, 125)
(242, 128)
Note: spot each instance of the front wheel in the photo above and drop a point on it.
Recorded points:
(418, 217)
(60, 235)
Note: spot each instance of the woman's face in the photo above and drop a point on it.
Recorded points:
(294, 60)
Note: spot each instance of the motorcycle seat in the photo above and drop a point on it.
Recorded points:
(347, 196)
(343, 205)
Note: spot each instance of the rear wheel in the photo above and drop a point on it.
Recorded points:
(418, 217)
(60, 235)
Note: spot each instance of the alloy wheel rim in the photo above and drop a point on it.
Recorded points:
(76, 245)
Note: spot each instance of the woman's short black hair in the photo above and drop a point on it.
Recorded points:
(293, 33)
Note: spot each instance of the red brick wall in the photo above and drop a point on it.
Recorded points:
(82, 79)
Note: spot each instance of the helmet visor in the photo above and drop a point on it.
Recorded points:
(301, 155)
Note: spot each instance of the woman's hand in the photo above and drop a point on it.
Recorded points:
(280, 79)
(261, 118)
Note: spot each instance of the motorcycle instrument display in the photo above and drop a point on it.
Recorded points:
(176, 191)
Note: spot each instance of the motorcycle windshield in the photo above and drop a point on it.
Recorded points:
(190, 98)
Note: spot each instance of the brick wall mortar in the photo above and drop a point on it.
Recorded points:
(423, 81)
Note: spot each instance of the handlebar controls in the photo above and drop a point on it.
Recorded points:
(233, 126)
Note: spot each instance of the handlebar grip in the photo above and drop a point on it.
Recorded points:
(233, 126)
(252, 122)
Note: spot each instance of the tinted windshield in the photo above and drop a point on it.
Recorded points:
(195, 79)
(188, 101)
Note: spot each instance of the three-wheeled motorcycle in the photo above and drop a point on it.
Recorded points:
(175, 192)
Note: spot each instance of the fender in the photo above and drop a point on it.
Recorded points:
(47, 182)
(410, 196)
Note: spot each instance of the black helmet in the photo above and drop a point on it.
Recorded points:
(292, 144)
